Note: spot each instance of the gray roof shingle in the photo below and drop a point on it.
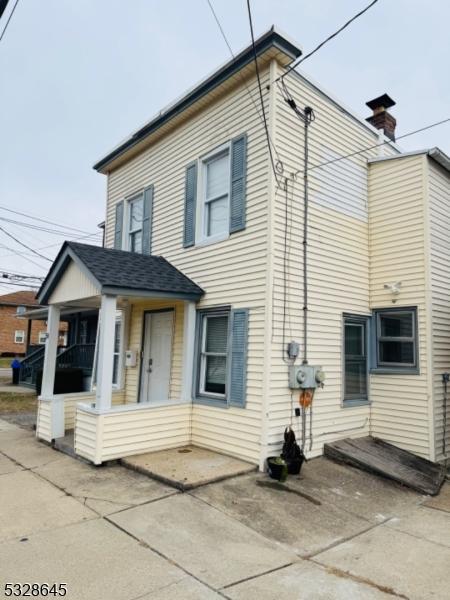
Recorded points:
(122, 270)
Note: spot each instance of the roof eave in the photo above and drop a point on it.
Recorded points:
(272, 38)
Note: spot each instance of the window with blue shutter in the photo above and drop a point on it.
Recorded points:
(118, 226)
(190, 201)
(221, 357)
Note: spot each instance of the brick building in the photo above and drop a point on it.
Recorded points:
(14, 329)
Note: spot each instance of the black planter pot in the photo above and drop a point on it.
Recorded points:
(294, 466)
(275, 470)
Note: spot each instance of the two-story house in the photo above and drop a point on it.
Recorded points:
(203, 281)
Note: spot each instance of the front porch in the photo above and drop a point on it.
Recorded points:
(141, 392)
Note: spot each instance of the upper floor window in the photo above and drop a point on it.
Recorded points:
(215, 195)
(396, 339)
(135, 223)
(20, 310)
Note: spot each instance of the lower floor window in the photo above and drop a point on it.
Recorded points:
(355, 358)
(213, 354)
(396, 338)
(19, 336)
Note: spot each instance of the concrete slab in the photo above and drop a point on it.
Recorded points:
(431, 525)
(8, 466)
(442, 501)
(9, 388)
(304, 581)
(207, 543)
(185, 589)
(310, 514)
(29, 504)
(189, 467)
(407, 565)
(27, 450)
(94, 559)
(104, 489)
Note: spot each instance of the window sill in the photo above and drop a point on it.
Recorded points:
(212, 240)
(394, 371)
(211, 401)
(355, 402)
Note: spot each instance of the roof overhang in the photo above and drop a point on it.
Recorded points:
(434, 153)
(272, 44)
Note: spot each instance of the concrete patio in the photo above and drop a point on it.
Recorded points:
(111, 533)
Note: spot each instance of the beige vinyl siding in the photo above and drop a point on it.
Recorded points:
(439, 207)
(338, 262)
(44, 421)
(400, 402)
(232, 272)
(71, 401)
(73, 285)
(87, 435)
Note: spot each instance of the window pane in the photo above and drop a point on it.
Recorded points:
(117, 337)
(355, 379)
(215, 374)
(115, 368)
(217, 216)
(136, 242)
(396, 325)
(397, 352)
(136, 213)
(216, 334)
(354, 339)
(217, 177)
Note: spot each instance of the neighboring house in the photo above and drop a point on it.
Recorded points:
(17, 334)
(200, 283)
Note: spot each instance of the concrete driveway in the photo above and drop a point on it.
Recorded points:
(114, 534)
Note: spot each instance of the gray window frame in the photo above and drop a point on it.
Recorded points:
(384, 367)
(209, 398)
(365, 321)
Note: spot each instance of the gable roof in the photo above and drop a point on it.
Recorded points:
(272, 40)
(120, 272)
(21, 298)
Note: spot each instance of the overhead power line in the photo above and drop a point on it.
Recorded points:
(24, 245)
(34, 218)
(9, 19)
(41, 228)
(330, 37)
(84, 237)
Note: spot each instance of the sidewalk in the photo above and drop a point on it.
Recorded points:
(111, 533)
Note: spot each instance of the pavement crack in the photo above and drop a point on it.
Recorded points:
(268, 572)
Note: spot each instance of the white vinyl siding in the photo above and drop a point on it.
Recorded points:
(400, 402)
(439, 206)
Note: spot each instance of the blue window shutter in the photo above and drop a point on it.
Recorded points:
(118, 227)
(190, 201)
(238, 183)
(237, 357)
(147, 221)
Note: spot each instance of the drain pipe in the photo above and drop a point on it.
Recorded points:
(307, 120)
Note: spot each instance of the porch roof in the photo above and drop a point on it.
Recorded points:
(118, 272)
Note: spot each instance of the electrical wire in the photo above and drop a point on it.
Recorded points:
(329, 38)
(32, 217)
(40, 228)
(9, 19)
(43, 247)
(24, 245)
(367, 148)
(255, 58)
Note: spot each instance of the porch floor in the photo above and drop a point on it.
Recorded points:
(188, 467)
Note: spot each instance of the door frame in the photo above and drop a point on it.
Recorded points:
(367, 321)
(141, 351)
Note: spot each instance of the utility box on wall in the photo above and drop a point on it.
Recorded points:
(303, 377)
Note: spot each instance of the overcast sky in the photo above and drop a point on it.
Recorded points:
(77, 76)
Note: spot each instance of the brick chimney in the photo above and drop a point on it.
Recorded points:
(381, 118)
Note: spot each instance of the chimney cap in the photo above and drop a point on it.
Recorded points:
(383, 101)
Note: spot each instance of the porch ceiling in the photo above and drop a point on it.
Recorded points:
(117, 272)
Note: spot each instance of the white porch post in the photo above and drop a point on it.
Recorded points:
(105, 360)
(48, 374)
(188, 350)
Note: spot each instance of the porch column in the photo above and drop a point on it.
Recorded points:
(48, 376)
(51, 349)
(105, 361)
(188, 350)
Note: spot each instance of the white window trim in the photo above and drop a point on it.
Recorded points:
(202, 356)
(407, 339)
(42, 334)
(120, 378)
(21, 333)
(201, 239)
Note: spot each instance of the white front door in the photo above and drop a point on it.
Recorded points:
(157, 357)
